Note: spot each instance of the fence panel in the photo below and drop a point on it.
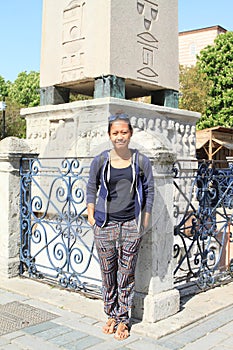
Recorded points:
(203, 199)
(56, 241)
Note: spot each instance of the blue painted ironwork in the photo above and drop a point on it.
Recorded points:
(203, 213)
(56, 240)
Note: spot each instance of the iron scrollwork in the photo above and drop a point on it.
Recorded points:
(56, 240)
(204, 217)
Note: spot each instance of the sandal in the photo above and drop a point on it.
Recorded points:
(109, 327)
(122, 331)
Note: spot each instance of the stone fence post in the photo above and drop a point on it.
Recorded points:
(155, 296)
(12, 150)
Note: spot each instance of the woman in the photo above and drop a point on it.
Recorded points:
(124, 181)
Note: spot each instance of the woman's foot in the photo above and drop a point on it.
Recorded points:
(122, 332)
(109, 327)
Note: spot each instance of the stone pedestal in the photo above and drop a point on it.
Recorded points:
(80, 128)
(155, 297)
(11, 151)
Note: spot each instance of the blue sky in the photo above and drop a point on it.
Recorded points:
(195, 14)
(20, 28)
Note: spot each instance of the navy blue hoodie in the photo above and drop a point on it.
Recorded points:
(97, 186)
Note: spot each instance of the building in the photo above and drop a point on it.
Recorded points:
(215, 144)
(191, 42)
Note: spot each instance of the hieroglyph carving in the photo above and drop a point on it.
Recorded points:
(72, 60)
(147, 42)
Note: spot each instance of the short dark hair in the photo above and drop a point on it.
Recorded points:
(119, 116)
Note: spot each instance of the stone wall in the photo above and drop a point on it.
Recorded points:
(11, 151)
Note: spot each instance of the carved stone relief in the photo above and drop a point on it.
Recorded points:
(37, 133)
(149, 10)
(147, 42)
(80, 137)
(160, 132)
(73, 53)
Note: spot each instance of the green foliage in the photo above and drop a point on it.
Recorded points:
(3, 87)
(216, 62)
(79, 97)
(15, 125)
(23, 92)
(26, 89)
(194, 89)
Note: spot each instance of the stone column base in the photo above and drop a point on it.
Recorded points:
(153, 308)
(9, 268)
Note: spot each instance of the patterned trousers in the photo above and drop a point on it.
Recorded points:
(117, 246)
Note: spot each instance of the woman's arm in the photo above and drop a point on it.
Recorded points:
(145, 221)
(148, 186)
(92, 188)
(90, 213)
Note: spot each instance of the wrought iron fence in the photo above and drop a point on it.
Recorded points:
(56, 240)
(203, 212)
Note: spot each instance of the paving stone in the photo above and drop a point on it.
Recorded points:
(31, 342)
(86, 328)
(40, 327)
(3, 341)
(207, 342)
(13, 335)
(11, 347)
(7, 297)
(70, 320)
(95, 330)
(227, 328)
(89, 320)
(84, 343)
(228, 342)
(108, 345)
(51, 308)
(111, 343)
(145, 345)
(201, 329)
(53, 332)
(170, 344)
(66, 338)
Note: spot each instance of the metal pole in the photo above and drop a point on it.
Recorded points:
(3, 120)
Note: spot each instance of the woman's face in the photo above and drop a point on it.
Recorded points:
(120, 134)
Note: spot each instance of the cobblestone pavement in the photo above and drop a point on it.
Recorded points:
(54, 319)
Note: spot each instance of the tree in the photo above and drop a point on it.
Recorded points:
(3, 87)
(15, 125)
(193, 89)
(23, 92)
(26, 89)
(216, 62)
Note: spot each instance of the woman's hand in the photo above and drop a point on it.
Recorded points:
(91, 221)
